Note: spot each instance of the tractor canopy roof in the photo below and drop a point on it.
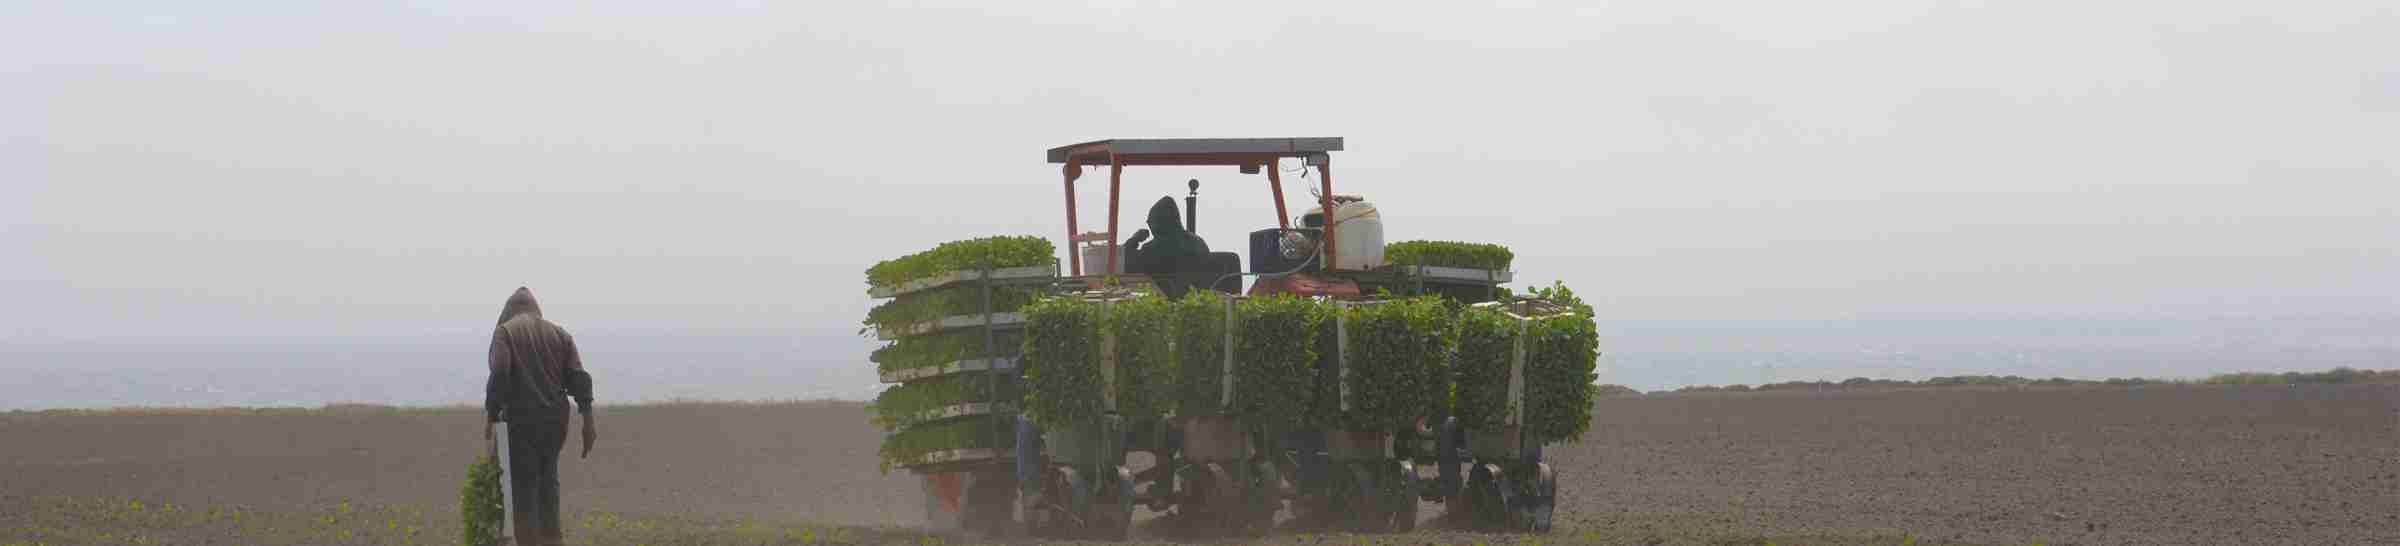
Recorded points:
(1195, 151)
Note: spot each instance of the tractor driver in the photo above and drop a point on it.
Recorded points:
(1168, 243)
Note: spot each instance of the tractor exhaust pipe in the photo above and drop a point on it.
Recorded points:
(1191, 208)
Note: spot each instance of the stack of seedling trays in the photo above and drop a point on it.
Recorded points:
(950, 327)
(1467, 272)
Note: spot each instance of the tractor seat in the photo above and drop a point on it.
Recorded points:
(1221, 268)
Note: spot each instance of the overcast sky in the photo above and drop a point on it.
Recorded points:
(242, 169)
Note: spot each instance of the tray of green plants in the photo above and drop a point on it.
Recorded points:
(953, 441)
(1391, 367)
(1017, 256)
(1449, 254)
(1451, 260)
(942, 350)
(964, 366)
(1004, 319)
(1561, 359)
(941, 398)
(956, 300)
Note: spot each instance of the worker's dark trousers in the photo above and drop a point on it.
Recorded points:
(533, 449)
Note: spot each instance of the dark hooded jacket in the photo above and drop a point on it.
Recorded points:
(1168, 241)
(534, 367)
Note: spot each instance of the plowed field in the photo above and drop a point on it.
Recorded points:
(2156, 465)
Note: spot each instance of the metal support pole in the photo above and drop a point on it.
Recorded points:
(1225, 399)
(1116, 177)
(1516, 374)
(1074, 252)
(1108, 363)
(991, 374)
(1325, 179)
(1275, 182)
(1491, 285)
(1341, 351)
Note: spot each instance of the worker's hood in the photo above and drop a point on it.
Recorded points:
(1167, 236)
(1164, 219)
(520, 303)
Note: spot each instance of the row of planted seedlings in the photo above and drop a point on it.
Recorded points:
(1250, 401)
(952, 327)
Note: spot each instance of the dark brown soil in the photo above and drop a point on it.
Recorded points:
(812, 461)
(2310, 464)
(2156, 465)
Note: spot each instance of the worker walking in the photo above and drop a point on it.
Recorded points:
(534, 370)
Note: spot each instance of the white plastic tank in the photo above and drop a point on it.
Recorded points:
(1357, 236)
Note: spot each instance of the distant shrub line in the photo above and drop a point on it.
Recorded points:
(2336, 376)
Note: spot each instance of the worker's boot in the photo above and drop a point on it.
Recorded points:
(525, 530)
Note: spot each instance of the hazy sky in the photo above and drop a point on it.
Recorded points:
(248, 169)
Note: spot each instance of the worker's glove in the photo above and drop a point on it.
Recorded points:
(1138, 237)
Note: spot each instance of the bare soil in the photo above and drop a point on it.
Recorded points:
(2316, 464)
(2304, 464)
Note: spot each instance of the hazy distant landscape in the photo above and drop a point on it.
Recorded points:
(764, 365)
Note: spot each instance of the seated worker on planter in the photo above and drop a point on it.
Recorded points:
(1169, 251)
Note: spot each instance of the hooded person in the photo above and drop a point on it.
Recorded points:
(1167, 241)
(535, 370)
